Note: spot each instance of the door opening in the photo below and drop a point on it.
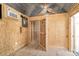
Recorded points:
(35, 29)
(38, 34)
(75, 33)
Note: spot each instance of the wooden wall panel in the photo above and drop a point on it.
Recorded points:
(12, 35)
(24, 37)
(11, 39)
(2, 36)
(35, 18)
(57, 31)
(17, 39)
(51, 32)
(13, 31)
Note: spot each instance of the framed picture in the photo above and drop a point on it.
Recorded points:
(24, 22)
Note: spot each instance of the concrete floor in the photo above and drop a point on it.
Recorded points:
(32, 51)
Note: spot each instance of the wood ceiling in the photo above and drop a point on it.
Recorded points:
(33, 9)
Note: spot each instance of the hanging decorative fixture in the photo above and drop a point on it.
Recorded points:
(46, 9)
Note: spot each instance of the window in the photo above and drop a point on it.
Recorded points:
(11, 13)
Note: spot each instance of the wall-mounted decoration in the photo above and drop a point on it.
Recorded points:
(24, 21)
(11, 13)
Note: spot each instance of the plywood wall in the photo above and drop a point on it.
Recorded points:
(58, 31)
(12, 36)
(2, 36)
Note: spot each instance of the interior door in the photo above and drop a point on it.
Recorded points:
(61, 33)
(43, 34)
(57, 31)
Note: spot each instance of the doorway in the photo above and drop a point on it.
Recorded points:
(35, 29)
(75, 33)
(38, 34)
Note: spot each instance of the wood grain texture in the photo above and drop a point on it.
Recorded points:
(57, 31)
(37, 18)
(12, 35)
(43, 34)
(2, 36)
(73, 10)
